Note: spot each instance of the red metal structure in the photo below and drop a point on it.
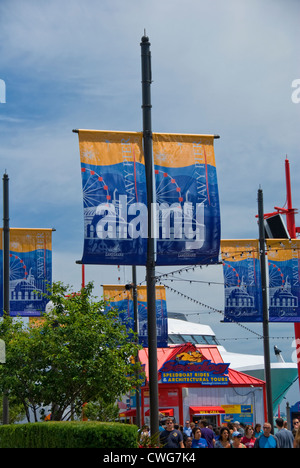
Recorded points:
(290, 212)
(174, 395)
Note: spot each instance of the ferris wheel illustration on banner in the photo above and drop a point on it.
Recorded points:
(17, 268)
(276, 277)
(167, 188)
(231, 276)
(95, 190)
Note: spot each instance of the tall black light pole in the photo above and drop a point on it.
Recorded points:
(262, 254)
(5, 272)
(150, 267)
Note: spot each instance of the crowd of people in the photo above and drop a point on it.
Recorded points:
(200, 434)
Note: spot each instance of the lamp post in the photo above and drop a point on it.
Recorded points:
(262, 254)
(150, 267)
(6, 309)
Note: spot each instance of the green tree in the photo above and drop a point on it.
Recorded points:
(100, 411)
(78, 353)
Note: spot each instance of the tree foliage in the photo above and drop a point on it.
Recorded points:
(79, 352)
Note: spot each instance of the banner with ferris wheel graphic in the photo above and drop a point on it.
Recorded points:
(242, 280)
(122, 300)
(30, 271)
(187, 199)
(186, 209)
(114, 197)
(284, 280)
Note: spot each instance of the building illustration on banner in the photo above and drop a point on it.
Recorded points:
(282, 302)
(26, 286)
(239, 302)
(240, 298)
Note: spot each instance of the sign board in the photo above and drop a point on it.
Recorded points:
(200, 371)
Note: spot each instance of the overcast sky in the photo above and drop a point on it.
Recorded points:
(221, 67)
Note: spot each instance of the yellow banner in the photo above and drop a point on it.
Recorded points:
(117, 293)
(235, 250)
(28, 240)
(108, 148)
(282, 250)
(178, 150)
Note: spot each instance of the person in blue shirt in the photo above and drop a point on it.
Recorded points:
(257, 430)
(198, 442)
(187, 429)
(266, 440)
(284, 436)
(170, 437)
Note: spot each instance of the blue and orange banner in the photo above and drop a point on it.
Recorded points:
(122, 300)
(114, 195)
(30, 271)
(186, 209)
(242, 280)
(188, 216)
(284, 280)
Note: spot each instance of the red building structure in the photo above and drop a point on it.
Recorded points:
(194, 382)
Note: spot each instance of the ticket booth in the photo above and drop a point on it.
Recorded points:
(194, 383)
(212, 414)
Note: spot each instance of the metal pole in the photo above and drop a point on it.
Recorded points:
(150, 267)
(136, 330)
(5, 272)
(262, 253)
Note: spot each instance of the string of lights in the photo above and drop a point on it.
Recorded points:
(227, 257)
(210, 308)
(254, 338)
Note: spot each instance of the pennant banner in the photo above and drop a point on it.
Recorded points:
(242, 279)
(187, 199)
(122, 300)
(114, 198)
(186, 208)
(284, 290)
(30, 271)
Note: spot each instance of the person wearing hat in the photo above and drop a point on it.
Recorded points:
(236, 440)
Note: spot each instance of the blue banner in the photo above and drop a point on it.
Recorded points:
(284, 287)
(242, 281)
(186, 214)
(122, 300)
(30, 271)
(114, 198)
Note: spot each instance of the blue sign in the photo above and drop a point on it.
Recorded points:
(204, 373)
